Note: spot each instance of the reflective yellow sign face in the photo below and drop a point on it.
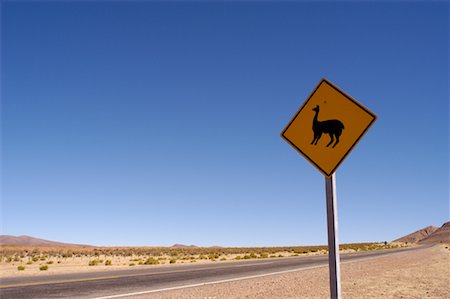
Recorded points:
(327, 127)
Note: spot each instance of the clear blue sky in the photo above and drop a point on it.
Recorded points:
(151, 123)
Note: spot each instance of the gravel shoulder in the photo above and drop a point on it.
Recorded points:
(419, 274)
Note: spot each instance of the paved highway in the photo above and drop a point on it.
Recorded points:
(147, 278)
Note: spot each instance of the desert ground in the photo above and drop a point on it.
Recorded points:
(414, 275)
(421, 273)
(29, 261)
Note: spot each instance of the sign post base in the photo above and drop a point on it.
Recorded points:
(333, 242)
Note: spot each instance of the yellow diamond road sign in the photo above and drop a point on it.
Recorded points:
(327, 127)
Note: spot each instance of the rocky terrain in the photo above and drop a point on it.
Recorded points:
(428, 235)
(441, 235)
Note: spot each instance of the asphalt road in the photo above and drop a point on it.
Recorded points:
(110, 283)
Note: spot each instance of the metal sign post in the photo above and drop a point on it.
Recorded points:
(329, 111)
(333, 241)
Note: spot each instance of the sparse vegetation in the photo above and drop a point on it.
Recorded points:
(21, 268)
(151, 261)
(213, 256)
(132, 256)
(93, 262)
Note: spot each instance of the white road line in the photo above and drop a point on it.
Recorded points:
(208, 283)
(238, 278)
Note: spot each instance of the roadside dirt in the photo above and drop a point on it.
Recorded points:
(81, 264)
(420, 274)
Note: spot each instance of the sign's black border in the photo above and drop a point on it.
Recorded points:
(324, 80)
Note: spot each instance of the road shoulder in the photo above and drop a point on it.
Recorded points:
(416, 274)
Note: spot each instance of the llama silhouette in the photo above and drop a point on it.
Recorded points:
(332, 127)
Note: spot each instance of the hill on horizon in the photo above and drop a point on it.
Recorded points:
(183, 246)
(441, 235)
(428, 235)
(32, 241)
(417, 235)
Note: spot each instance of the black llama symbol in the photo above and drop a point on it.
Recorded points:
(332, 127)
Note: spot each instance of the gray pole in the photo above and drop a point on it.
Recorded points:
(333, 241)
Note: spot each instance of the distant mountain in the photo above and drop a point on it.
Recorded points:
(418, 235)
(182, 245)
(31, 241)
(441, 235)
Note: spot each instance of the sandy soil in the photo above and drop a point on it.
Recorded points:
(60, 260)
(81, 264)
(421, 274)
